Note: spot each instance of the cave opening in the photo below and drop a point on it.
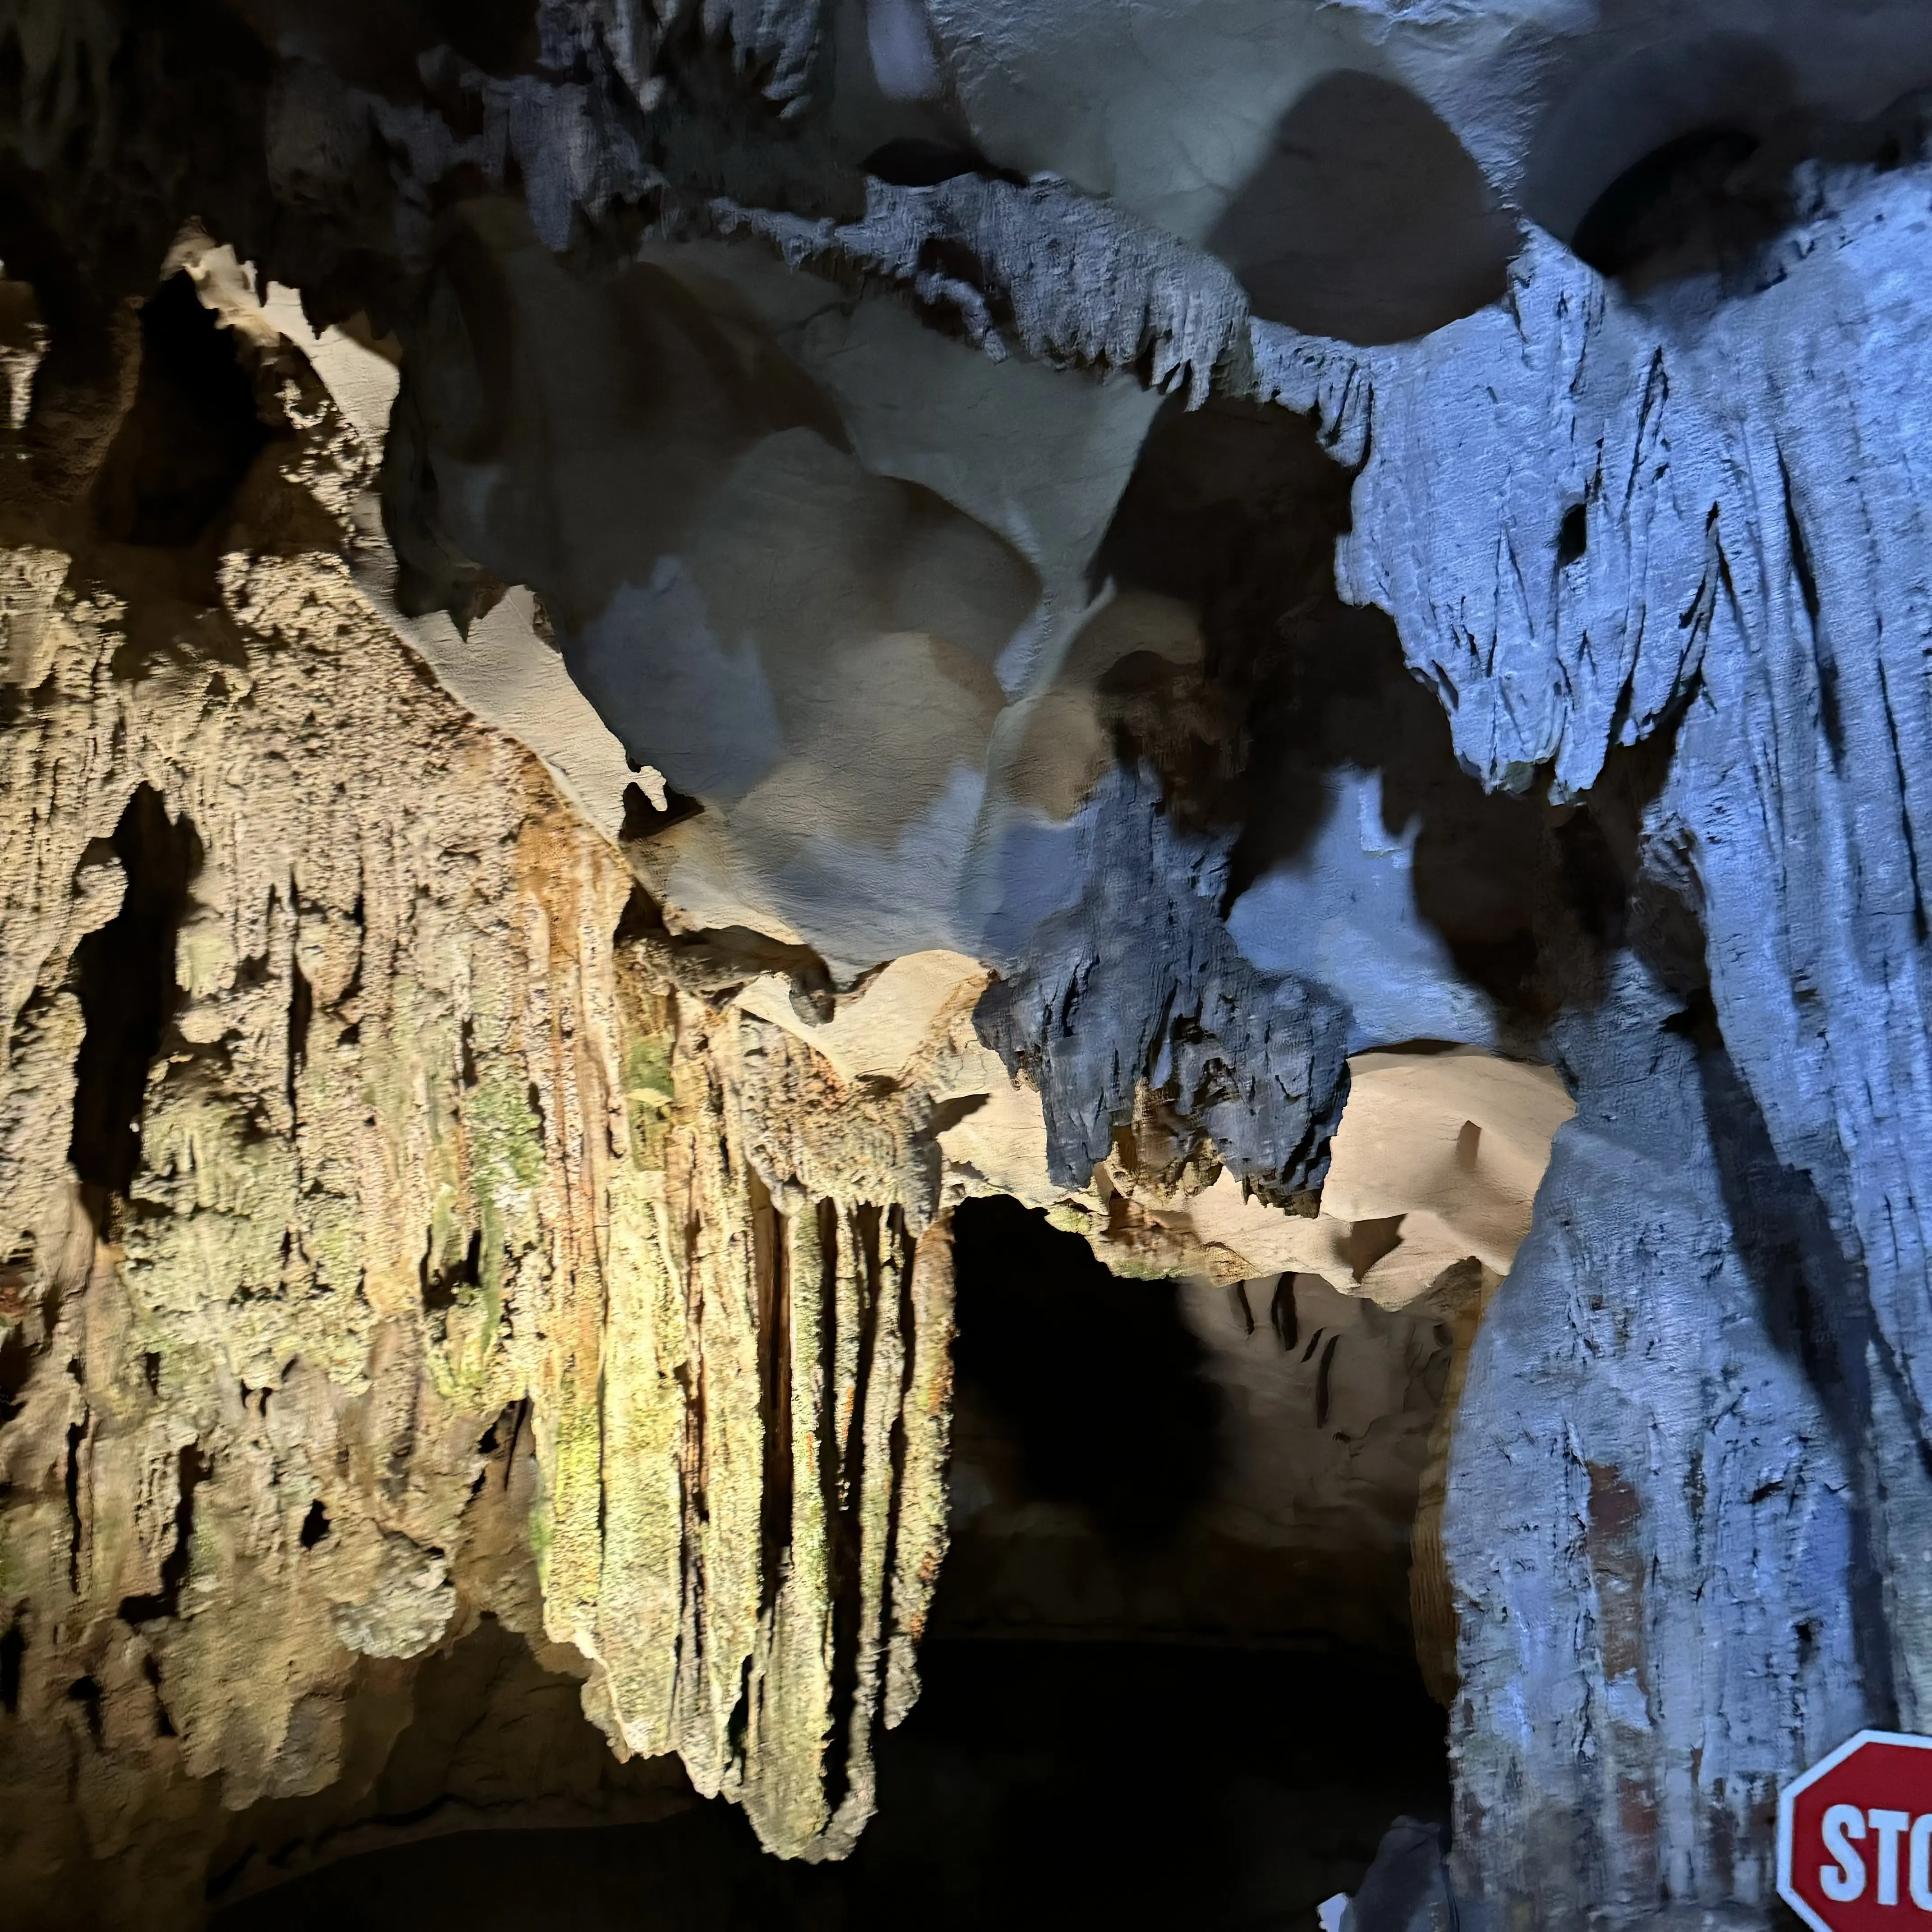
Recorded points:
(1097, 1382)
(1171, 1671)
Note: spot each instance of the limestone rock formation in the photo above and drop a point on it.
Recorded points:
(657, 658)
(357, 1129)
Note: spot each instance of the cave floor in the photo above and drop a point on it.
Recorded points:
(1067, 1784)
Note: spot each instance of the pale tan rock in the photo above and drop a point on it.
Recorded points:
(878, 1032)
(1435, 1167)
(1455, 1142)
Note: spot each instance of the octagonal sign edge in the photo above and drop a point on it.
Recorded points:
(1868, 1902)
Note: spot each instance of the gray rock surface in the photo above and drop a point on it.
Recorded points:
(1139, 982)
(1748, 576)
(1660, 1523)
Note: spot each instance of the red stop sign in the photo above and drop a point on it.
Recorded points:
(1855, 1837)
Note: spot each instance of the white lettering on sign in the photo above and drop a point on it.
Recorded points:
(1891, 1826)
(1921, 1863)
(1845, 1880)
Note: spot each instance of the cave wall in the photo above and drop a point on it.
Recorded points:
(1032, 800)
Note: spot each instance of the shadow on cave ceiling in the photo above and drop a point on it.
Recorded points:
(1686, 162)
(1234, 510)
(1367, 219)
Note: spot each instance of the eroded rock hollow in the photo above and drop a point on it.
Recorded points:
(1071, 849)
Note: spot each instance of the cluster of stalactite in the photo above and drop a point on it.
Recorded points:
(356, 1127)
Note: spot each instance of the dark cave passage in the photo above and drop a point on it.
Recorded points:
(187, 441)
(1097, 1382)
(1042, 1785)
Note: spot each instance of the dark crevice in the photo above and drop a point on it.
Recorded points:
(12, 1661)
(737, 1726)
(1920, 926)
(1282, 1316)
(1321, 1382)
(845, 1501)
(125, 975)
(1098, 1379)
(192, 433)
(315, 1524)
(1830, 716)
(642, 820)
(909, 161)
(1800, 552)
(775, 1392)
(192, 1469)
(164, 1725)
(441, 1284)
(1573, 536)
(77, 1435)
(302, 1012)
(16, 1366)
(906, 1254)
(1244, 1313)
(86, 1692)
(497, 1445)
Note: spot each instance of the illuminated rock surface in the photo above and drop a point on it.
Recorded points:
(665, 665)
